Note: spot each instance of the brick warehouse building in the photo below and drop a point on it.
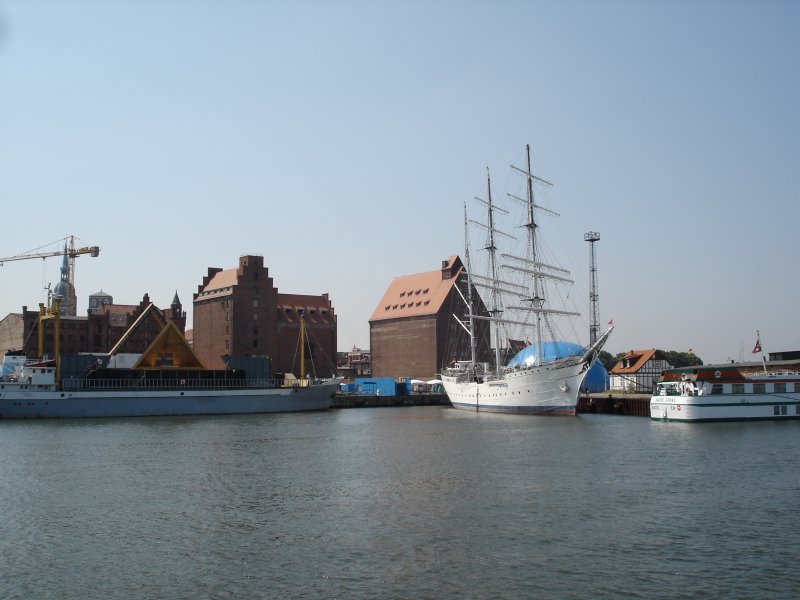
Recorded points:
(413, 332)
(239, 312)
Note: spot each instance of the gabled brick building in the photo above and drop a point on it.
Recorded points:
(99, 331)
(239, 312)
(413, 332)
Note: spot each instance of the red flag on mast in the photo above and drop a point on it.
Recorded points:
(757, 347)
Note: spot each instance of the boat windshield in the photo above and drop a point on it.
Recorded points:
(668, 388)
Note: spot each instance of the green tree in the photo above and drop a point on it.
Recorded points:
(682, 359)
(607, 359)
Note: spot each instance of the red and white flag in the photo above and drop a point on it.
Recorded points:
(757, 347)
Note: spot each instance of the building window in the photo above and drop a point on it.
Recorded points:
(738, 388)
(255, 343)
(759, 388)
(776, 410)
(780, 388)
(227, 344)
(255, 316)
(255, 303)
(716, 388)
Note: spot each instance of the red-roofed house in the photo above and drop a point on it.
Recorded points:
(638, 371)
(413, 332)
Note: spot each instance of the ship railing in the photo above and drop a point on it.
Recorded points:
(177, 384)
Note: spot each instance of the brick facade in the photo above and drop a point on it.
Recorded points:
(239, 312)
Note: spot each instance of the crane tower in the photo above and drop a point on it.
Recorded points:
(70, 252)
(594, 308)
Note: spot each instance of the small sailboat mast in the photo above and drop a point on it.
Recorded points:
(302, 344)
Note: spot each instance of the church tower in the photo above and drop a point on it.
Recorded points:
(65, 290)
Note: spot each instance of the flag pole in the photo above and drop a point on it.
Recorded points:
(760, 348)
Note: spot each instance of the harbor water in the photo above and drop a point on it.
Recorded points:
(418, 502)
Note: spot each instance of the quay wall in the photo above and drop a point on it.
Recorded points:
(637, 405)
(362, 401)
(609, 404)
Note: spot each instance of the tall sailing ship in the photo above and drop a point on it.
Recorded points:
(534, 381)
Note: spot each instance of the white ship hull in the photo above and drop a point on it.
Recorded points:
(17, 403)
(725, 407)
(549, 390)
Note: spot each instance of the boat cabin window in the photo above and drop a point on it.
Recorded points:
(716, 388)
(780, 387)
(667, 389)
(759, 388)
(738, 388)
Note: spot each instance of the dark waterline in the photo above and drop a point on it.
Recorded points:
(425, 502)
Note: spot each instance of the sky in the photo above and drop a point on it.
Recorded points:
(341, 139)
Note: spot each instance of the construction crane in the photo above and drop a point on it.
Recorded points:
(69, 249)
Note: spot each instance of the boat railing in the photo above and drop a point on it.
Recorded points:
(180, 384)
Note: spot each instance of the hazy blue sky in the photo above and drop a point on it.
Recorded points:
(341, 139)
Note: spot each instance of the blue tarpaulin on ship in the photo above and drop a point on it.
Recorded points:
(596, 379)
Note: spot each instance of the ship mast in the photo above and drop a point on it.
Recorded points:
(470, 305)
(495, 311)
(537, 300)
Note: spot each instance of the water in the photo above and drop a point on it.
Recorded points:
(424, 502)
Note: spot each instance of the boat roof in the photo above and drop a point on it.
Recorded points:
(771, 365)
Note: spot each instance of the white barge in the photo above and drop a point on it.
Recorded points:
(728, 392)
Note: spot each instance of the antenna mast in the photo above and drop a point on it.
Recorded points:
(594, 299)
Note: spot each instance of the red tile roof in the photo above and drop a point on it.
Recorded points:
(416, 295)
(317, 309)
(637, 358)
